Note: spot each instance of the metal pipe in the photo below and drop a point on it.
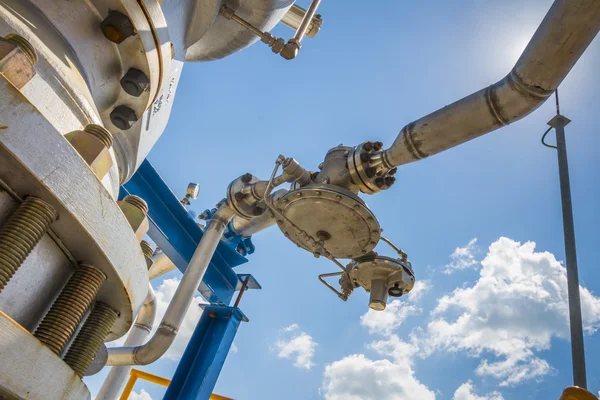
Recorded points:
(293, 18)
(575, 320)
(141, 329)
(308, 17)
(248, 227)
(562, 37)
(162, 339)
(161, 264)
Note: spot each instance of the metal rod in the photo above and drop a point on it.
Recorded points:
(242, 290)
(164, 336)
(334, 290)
(393, 246)
(310, 13)
(575, 320)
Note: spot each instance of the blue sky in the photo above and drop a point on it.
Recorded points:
(493, 330)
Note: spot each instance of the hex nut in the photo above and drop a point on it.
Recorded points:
(136, 218)
(117, 27)
(15, 65)
(135, 82)
(93, 149)
(123, 117)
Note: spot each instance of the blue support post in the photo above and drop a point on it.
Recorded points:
(205, 354)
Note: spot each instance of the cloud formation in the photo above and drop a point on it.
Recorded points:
(296, 345)
(518, 304)
(462, 258)
(465, 392)
(143, 395)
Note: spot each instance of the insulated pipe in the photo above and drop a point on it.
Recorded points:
(141, 329)
(162, 339)
(562, 37)
(161, 264)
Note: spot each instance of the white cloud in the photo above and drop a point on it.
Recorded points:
(143, 395)
(462, 258)
(164, 294)
(420, 288)
(296, 345)
(234, 349)
(465, 392)
(514, 310)
(386, 321)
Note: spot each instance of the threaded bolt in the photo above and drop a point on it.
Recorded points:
(24, 45)
(66, 313)
(100, 133)
(21, 232)
(147, 249)
(137, 202)
(90, 338)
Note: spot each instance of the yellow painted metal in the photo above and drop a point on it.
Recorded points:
(136, 374)
(577, 393)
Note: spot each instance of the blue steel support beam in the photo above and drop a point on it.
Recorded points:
(205, 354)
(176, 232)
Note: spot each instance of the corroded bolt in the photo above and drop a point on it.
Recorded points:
(93, 145)
(135, 210)
(148, 251)
(68, 310)
(135, 82)
(24, 45)
(117, 27)
(21, 232)
(90, 338)
(123, 117)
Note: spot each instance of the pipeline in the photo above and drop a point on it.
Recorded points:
(564, 34)
(164, 336)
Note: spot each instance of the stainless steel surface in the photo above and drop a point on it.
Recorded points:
(91, 225)
(368, 170)
(21, 232)
(225, 37)
(562, 37)
(377, 274)
(294, 17)
(29, 370)
(141, 329)
(296, 172)
(67, 311)
(249, 227)
(306, 20)
(162, 339)
(575, 322)
(334, 169)
(338, 218)
(90, 337)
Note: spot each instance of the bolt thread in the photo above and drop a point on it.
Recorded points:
(66, 313)
(90, 338)
(147, 249)
(137, 202)
(20, 234)
(24, 45)
(100, 133)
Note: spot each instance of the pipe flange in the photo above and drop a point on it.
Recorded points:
(368, 169)
(322, 217)
(243, 198)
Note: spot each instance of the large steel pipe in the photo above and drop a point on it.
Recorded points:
(564, 34)
(164, 336)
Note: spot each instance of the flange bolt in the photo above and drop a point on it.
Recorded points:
(117, 27)
(24, 45)
(135, 82)
(123, 117)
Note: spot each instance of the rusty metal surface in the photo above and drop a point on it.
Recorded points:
(37, 160)
(29, 370)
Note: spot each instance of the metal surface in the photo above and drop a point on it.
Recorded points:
(575, 322)
(562, 37)
(21, 232)
(15, 63)
(91, 225)
(205, 354)
(341, 219)
(368, 170)
(139, 333)
(68, 310)
(160, 342)
(30, 370)
(90, 337)
(376, 274)
(294, 17)
(178, 234)
(223, 37)
(577, 393)
(93, 144)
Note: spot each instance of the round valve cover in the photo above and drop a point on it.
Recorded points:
(327, 213)
(373, 267)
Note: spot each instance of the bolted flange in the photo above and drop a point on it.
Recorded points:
(66, 313)
(135, 210)
(135, 82)
(90, 338)
(123, 117)
(93, 145)
(117, 27)
(21, 232)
